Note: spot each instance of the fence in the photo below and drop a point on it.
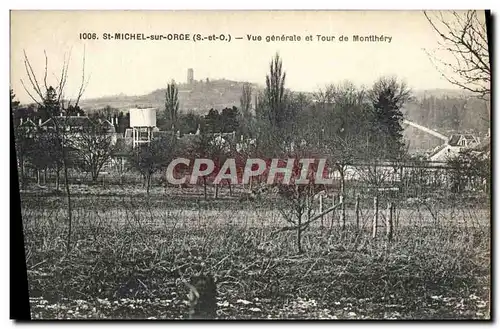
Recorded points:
(382, 215)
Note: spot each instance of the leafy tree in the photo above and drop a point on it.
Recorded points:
(229, 119)
(470, 170)
(189, 122)
(123, 122)
(246, 115)
(73, 110)
(213, 121)
(50, 106)
(388, 96)
(246, 100)
(47, 154)
(275, 93)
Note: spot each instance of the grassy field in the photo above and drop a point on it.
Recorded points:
(129, 253)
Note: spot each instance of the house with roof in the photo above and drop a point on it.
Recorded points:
(456, 143)
(483, 148)
(27, 127)
(75, 125)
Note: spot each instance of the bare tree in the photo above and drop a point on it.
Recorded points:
(324, 96)
(153, 157)
(463, 35)
(94, 148)
(52, 101)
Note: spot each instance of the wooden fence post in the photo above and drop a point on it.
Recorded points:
(342, 211)
(375, 217)
(389, 221)
(357, 211)
(321, 208)
(333, 212)
(395, 215)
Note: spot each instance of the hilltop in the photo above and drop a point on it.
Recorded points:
(199, 97)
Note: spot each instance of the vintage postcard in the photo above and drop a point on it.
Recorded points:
(252, 164)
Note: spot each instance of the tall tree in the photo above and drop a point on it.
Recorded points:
(52, 102)
(388, 96)
(172, 104)
(246, 100)
(246, 116)
(275, 93)
(348, 124)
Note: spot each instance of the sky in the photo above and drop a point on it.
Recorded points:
(136, 67)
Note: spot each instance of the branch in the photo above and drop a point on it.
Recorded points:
(32, 76)
(307, 223)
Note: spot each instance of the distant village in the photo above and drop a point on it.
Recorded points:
(138, 126)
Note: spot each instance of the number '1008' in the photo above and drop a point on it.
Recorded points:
(88, 36)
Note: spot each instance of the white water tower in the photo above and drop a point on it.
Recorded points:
(142, 122)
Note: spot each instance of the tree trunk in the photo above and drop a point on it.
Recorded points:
(342, 211)
(342, 196)
(216, 192)
(230, 189)
(121, 171)
(357, 211)
(321, 209)
(45, 176)
(342, 181)
(21, 169)
(389, 222)
(375, 217)
(299, 234)
(68, 197)
(95, 175)
(205, 188)
(57, 178)
(38, 176)
(148, 183)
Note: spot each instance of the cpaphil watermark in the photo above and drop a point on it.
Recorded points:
(301, 171)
